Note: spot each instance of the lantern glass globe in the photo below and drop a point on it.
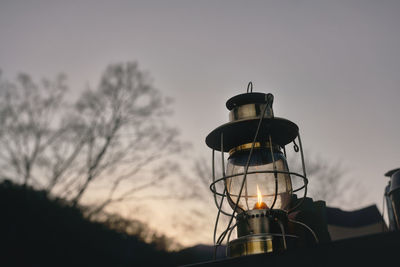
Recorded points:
(260, 187)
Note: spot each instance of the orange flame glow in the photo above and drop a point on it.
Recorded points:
(259, 196)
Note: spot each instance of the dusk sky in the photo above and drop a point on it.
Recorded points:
(333, 66)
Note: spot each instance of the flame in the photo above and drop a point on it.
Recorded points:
(259, 196)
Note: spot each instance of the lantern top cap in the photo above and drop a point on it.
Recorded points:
(250, 113)
(249, 98)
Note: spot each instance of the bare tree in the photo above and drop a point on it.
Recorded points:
(330, 181)
(27, 125)
(111, 135)
(325, 179)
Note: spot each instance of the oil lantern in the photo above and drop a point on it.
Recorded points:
(256, 180)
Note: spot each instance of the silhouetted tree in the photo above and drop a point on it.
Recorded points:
(27, 125)
(109, 135)
(329, 181)
(325, 179)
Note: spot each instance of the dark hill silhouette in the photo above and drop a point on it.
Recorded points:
(38, 231)
(198, 253)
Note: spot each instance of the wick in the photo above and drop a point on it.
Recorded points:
(260, 206)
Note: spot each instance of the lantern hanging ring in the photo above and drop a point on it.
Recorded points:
(250, 87)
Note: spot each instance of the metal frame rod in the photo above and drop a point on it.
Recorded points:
(302, 155)
(283, 234)
(307, 227)
(230, 232)
(275, 173)
(214, 190)
(304, 174)
(216, 244)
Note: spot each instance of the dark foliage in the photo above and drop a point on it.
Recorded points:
(38, 231)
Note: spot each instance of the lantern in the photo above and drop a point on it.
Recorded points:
(392, 195)
(256, 179)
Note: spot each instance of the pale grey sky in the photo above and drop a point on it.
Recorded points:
(333, 66)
